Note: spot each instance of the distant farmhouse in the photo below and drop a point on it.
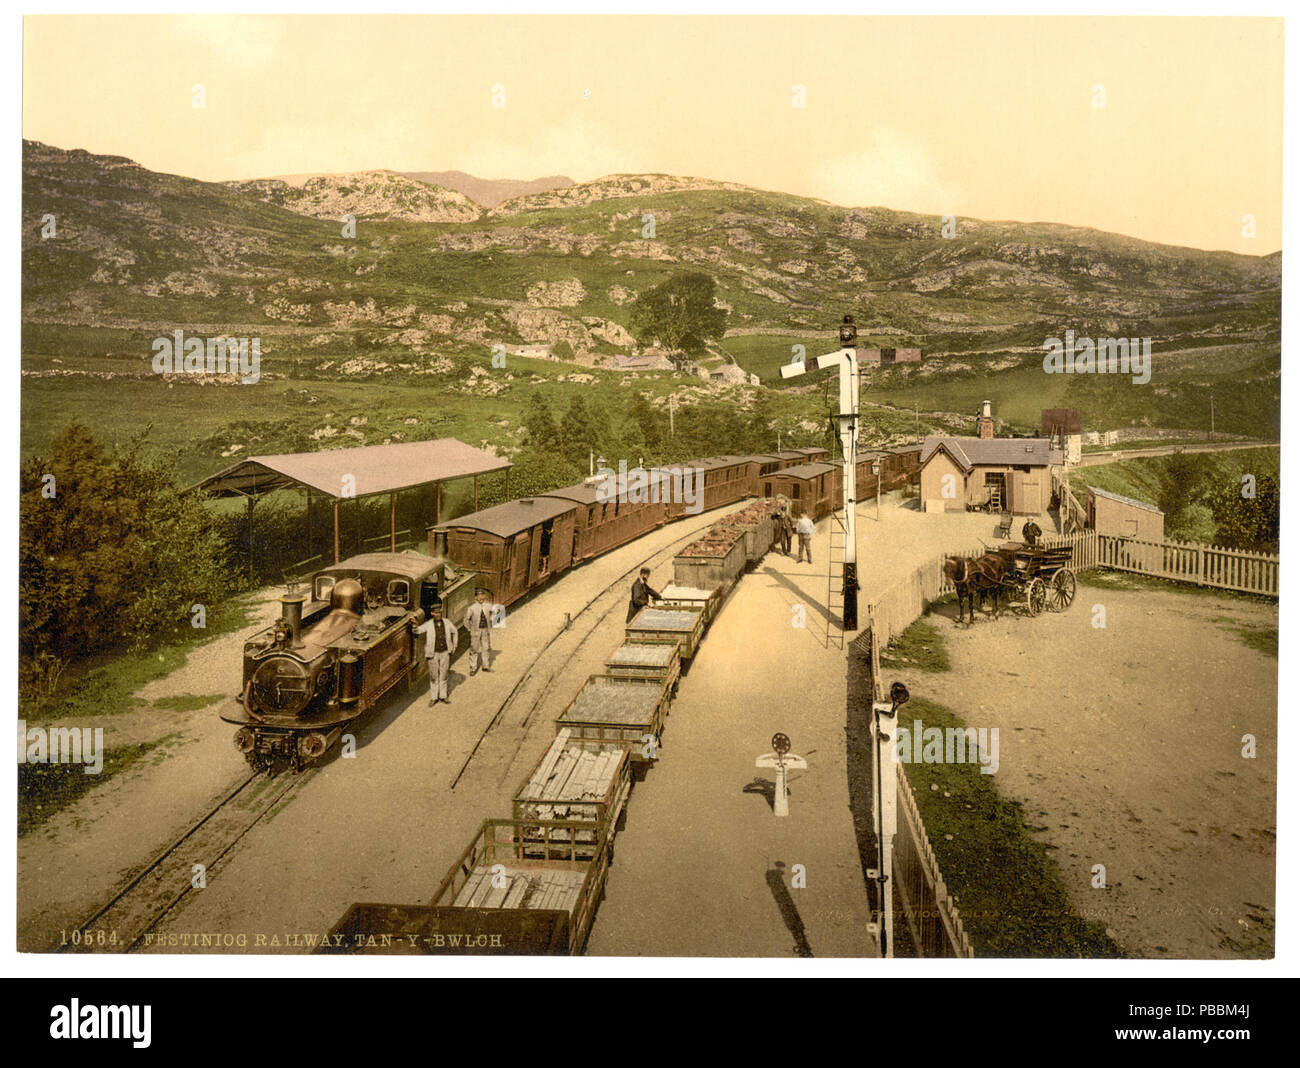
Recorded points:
(887, 357)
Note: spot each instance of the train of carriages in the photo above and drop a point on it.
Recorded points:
(350, 638)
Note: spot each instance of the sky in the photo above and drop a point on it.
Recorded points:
(992, 118)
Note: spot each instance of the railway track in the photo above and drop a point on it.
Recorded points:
(520, 687)
(125, 922)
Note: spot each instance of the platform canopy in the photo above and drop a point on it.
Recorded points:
(357, 472)
(363, 471)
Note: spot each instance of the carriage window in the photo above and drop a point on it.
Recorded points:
(399, 592)
(324, 584)
(794, 491)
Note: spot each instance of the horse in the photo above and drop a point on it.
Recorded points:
(982, 576)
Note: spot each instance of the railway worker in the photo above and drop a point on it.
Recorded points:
(804, 528)
(440, 637)
(641, 594)
(478, 621)
(785, 527)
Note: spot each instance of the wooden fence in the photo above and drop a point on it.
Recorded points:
(920, 894)
(1185, 561)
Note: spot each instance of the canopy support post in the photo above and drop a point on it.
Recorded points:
(336, 530)
(392, 522)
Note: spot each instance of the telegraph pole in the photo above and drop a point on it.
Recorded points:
(846, 359)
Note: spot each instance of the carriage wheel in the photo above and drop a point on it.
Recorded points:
(1062, 592)
(1036, 596)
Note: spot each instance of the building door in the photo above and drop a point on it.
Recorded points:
(995, 488)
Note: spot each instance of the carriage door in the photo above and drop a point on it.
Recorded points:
(544, 548)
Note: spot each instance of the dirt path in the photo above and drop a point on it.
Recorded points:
(1124, 744)
(68, 865)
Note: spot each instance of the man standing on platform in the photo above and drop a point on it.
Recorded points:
(478, 621)
(641, 594)
(785, 528)
(804, 528)
(440, 637)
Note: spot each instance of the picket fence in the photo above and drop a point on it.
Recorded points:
(920, 894)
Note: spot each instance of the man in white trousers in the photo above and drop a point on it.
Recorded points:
(440, 637)
(478, 621)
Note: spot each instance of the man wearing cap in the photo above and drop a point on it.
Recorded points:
(641, 594)
(478, 621)
(440, 637)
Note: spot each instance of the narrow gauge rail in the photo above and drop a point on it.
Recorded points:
(124, 922)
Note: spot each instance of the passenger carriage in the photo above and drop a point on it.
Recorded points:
(514, 547)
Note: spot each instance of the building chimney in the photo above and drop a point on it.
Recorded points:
(984, 426)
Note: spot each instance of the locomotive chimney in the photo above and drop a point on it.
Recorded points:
(291, 613)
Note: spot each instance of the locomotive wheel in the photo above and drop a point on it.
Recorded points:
(1035, 596)
(1062, 592)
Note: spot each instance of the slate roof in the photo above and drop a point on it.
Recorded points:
(994, 452)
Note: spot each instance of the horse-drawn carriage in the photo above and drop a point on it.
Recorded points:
(1032, 577)
(1039, 575)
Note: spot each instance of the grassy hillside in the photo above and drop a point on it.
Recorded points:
(391, 325)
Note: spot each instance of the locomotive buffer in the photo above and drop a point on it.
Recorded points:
(846, 359)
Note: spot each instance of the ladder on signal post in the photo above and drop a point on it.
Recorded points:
(835, 582)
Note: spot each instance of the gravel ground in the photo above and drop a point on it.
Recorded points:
(1125, 745)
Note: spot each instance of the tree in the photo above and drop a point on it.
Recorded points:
(650, 423)
(540, 423)
(680, 313)
(1180, 476)
(109, 553)
(1248, 522)
(579, 433)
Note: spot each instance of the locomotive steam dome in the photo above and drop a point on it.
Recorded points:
(348, 596)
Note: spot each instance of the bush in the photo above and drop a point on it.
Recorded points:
(109, 554)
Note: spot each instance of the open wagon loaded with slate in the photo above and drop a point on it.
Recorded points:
(574, 782)
(519, 888)
(1040, 577)
(625, 710)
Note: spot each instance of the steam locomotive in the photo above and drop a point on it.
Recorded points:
(336, 650)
